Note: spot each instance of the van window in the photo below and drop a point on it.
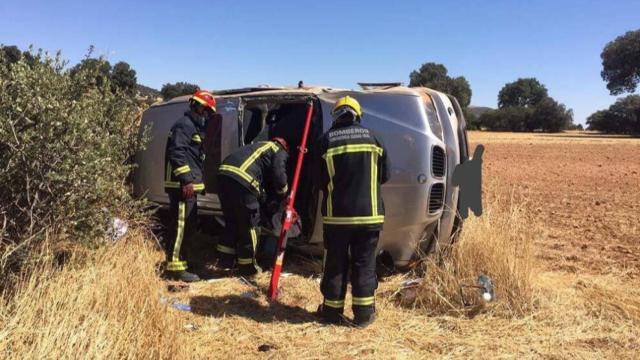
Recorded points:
(432, 117)
(252, 123)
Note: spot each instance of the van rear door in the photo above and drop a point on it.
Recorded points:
(221, 139)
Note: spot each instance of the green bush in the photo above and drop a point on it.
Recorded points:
(64, 145)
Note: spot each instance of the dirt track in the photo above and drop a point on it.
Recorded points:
(584, 187)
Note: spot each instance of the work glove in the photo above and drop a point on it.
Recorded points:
(187, 191)
(284, 205)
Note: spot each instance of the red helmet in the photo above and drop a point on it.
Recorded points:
(205, 99)
(282, 142)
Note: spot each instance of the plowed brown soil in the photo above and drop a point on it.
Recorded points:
(584, 187)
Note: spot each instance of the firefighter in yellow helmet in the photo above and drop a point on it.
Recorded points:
(353, 164)
(184, 180)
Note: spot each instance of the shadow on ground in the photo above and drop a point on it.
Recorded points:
(250, 308)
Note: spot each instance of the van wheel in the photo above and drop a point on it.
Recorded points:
(384, 265)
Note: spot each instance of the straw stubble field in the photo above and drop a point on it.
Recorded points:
(559, 238)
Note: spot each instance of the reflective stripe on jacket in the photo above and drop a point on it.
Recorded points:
(184, 154)
(353, 163)
(252, 164)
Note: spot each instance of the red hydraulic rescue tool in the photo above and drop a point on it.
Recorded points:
(290, 215)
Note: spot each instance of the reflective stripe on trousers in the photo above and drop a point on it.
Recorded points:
(225, 249)
(336, 304)
(254, 243)
(175, 264)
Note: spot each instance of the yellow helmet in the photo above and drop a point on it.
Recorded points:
(346, 103)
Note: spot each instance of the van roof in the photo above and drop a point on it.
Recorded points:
(310, 90)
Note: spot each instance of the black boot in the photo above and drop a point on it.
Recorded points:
(330, 315)
(182, 276)
(226, 262)
(249, 270)
(364, 316)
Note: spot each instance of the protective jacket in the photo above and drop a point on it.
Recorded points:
(184, 153)
(252, 164)
(353, 163)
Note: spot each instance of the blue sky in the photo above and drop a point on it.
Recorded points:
(224, 44)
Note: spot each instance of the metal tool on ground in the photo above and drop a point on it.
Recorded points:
(290, 214)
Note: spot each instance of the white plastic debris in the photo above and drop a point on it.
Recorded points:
(485, 284)
(248, 295)
(181, 306)
(411, 283)
(118, 229)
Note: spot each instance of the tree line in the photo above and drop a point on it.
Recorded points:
(525, 104)
(621, 71)
(120, 76)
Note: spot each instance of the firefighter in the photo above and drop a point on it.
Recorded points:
(184, 159)
(353, 163)
(242, 179)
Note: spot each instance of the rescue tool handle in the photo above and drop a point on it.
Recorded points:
(290, 213)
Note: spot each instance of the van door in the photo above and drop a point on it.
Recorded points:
(221, 138)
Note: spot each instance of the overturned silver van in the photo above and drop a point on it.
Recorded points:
(424, 131)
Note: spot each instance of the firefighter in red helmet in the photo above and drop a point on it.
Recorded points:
(242, 179)
(184, 180)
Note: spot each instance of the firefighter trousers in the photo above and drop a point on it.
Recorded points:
(349, 248)
(241, 211)
(183, 222)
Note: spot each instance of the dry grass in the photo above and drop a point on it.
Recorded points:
(108, 304)
(104, 306)
(498, 245)
(111, 308)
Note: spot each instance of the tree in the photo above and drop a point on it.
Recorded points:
(550, 116)
(429, 73)
(97, 68)
(524, 105)
(596, 120)
(506, 119)
(169, 91)
(621, 63)
(623, 117)
(522, 92)
(120, 77)
(123, 77)
(148, 92)
(435, 76)
(10, 54)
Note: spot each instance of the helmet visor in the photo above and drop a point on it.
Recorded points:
(343, 111)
